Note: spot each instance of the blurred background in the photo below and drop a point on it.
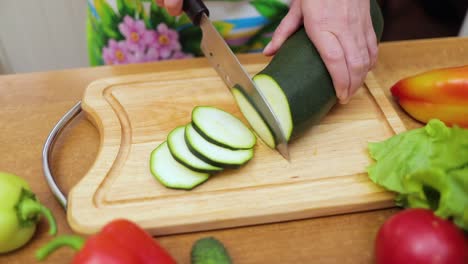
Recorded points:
(42, 35)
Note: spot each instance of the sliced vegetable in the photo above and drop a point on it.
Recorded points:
(209, 250)
(119, 242)
(180, 151)
(222, 128)
(297, 84)
(20, 212)
(253, 117)
(417, 236)
(427, 167)
(214, 154)
(440, 93)
(171, 173)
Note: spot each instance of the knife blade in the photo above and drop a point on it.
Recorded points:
(228, 67)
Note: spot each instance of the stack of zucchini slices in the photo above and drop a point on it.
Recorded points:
(213, 141)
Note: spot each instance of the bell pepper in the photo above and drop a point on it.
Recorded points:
(436, 94)
(20, 211)
(119, 242)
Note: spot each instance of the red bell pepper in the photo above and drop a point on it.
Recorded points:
(437, 94)
(119, 242)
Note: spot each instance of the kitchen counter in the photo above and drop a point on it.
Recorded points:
(31, 104)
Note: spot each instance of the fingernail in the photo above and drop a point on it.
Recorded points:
(343, 97)
(267, 48)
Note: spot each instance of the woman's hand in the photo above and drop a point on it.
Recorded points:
(174, 7)
(343, 34)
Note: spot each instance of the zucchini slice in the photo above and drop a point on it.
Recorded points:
(171, 173)
(214, 154)
(297, 84)
(253, 117)
(180, 152)
(222, 128)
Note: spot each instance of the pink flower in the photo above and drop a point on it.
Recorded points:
(167, 41)
(180, 55)
(115, 53)
(136, 35)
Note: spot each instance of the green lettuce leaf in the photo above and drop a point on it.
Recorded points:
(427, 167)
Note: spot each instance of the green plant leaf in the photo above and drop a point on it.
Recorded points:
(109, 20)
(190, 38)
(182, 20)
(223, 27)
(271, 9)
(94, 43)
(159, 15)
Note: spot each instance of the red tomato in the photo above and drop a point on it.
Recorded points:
(418, 236)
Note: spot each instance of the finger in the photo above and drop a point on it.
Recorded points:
(160, 3)
(286, 28)
(333, 56)
(372, 46)
(174, 7)
(357, 60)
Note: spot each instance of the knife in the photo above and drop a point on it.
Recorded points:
(226, 64)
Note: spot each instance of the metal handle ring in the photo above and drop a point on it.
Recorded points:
(47, 151)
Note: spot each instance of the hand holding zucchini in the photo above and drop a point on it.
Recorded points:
(214, 140)
(296, 84)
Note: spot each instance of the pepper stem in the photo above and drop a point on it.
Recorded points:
(74, 242)
(30, 208)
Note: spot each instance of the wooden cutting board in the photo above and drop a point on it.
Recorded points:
(326, 174)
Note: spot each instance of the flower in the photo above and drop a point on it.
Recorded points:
(167, 41)
(115, 53)
(143, 45)
(181, 55)
(136, 34)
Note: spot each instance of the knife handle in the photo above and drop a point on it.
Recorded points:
(194, 10)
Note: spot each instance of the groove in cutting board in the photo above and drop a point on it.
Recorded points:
(135, 113)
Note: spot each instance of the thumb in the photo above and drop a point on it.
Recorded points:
(286, 28)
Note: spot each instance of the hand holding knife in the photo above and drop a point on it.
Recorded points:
(230, 70)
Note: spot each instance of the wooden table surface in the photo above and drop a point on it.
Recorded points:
(31, 104)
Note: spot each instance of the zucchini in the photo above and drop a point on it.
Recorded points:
(296, 85)
(222, 128)
(171, 173)
(254, 118)
(215, 154)
(180, 151)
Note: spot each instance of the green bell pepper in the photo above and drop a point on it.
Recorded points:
(20, 211)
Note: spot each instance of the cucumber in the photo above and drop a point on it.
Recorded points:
(215, 154)
(180, 151)
(171, 173)
(209, 250)
(222, 128)
(297, 85)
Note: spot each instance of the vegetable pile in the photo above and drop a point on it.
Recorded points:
(20, 212)
(212, 141)
(437, 94)
(428, 169)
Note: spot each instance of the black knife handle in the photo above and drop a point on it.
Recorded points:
(194, 10)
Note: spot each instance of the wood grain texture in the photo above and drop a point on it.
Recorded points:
(31, 104)
(135, 113)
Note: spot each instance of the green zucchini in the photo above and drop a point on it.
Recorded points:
(181, 153)
(215, 154)
(171, 173)
(297, 85)
(222, 128)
